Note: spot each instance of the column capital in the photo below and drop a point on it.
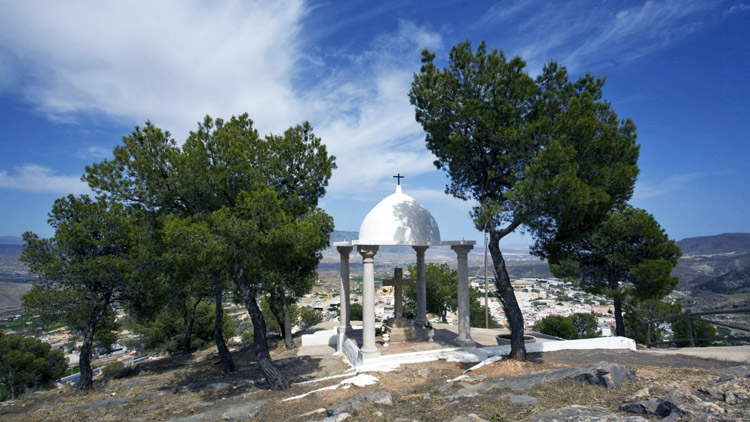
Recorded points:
(344, 251)
(462, 249)
(367, 251)
(420, 249)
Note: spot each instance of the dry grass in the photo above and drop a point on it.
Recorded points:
(182, 386)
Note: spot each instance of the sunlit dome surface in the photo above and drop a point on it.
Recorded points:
(399, 220)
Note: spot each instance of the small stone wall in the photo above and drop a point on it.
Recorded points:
(351, 352)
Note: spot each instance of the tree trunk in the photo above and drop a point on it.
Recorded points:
(276, 380)
(619, 323)
(512, 310)
(86, 381)
(227, 364)
(287, 327)
(274, 303)
(188, 318)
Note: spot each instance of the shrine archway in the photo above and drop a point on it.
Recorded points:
(399, 220)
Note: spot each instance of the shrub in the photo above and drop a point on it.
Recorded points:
(355, 312)
(556, 325)
(27, 363)
(112, 368)
(166, 332)
(585, 325)
(308, 317)
(637, 312)
(117, 370)
(701, 329)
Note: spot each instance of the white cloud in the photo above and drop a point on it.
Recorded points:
(168, 61)
(673, 183)
(501, 12)
(362, 112)
(603, 35)
(94, 152)
(173, 62)
(737, 8)
(34, 178)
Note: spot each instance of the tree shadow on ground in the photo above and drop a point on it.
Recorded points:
(200, 372)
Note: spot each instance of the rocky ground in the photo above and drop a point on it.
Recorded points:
(563, 386)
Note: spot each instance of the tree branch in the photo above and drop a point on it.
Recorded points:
(509, 229)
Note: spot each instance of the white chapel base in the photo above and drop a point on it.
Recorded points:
(387, 363)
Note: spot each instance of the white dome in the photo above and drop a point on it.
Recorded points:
(399, 220)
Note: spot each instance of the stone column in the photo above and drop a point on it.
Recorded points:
(464, 323)
(368, 301)
(421, 286)
(344, 252)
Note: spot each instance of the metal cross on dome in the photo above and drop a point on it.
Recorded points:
(398, 177)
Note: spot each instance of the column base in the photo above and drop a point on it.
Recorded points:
(369, 354)
(465, 342)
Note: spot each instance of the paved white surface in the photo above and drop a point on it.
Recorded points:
(473, 354)
(739, 354)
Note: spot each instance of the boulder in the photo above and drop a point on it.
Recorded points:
(605, 374)
(522, 400)
(644, 407)
(601, 374)
(354, 405)
(337, 418)
(582, 414)
(229, 412)
(678, 401)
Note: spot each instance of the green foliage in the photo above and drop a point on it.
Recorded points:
(111, 369)
(165, 332)
(722, 332)
(701, 329)
(442, 289)
(308, 317)
(638, 311)
(272, 325)
(576, 326)
(548, 153)
(442, 294)
(41, 306)
(27, 364)
(586, 325)
(229, 206)
(89, 262)
(548, 156)
(355, 312)
(477, 311)
(556, 325)
(628, 254)
(247, 337)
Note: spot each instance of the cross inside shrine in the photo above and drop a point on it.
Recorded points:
(398, 283)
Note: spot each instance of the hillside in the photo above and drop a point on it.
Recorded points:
(191, 388)
(714, 273)
(715, 264)
(15, 279)
(701, 269)
(717, 244)
(731, 282)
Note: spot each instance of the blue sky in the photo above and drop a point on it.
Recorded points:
(76, 76)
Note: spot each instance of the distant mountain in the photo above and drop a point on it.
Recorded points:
(731, 282)
(343, 236)
(11, 240)
(720, 243)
